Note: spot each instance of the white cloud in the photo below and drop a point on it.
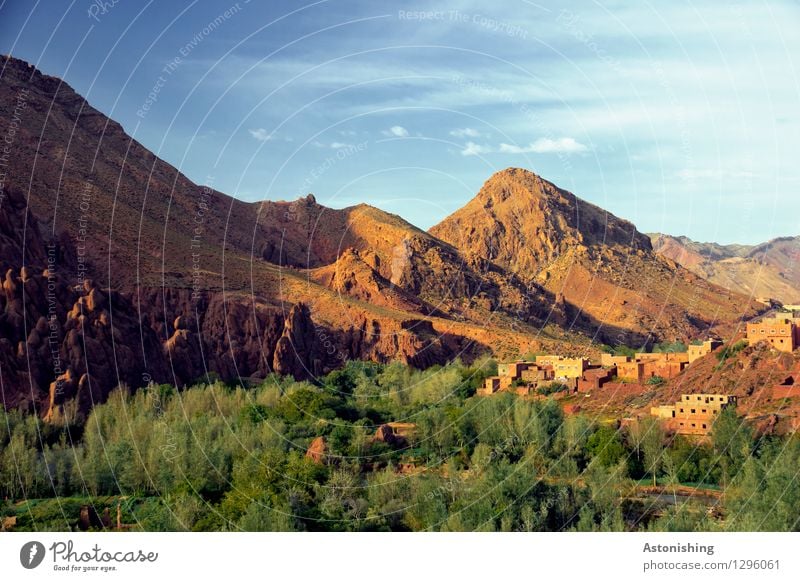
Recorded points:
(474, 149)
(542, 145)
(465, 132)
(397, 131)
(338, 145)
(546, 145)
(260, 134)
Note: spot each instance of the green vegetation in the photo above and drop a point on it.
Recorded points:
(665, 347)
(551, 388)
(655, 380)
(729, 351)
(216, 457)
(670, 347)
(623, 350)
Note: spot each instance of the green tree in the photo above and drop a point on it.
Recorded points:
(733, 442)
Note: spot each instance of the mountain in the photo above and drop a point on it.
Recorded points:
(118, 269)
(764, 271)
(600, 264)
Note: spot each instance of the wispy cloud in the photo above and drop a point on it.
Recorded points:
(396, 131)
(542, 145)
(474, 149)
(260, 134)
(465, 132)
(546, 145)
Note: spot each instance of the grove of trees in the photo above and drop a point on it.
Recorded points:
(217, 457)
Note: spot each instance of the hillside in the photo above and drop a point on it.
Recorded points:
(156, 278)
(153, 277)
(765, 271)
(600, 264)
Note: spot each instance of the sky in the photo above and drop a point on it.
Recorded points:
(682, 117)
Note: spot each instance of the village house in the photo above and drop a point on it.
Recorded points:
(693, 414)
(611, 360)
(524, 377)
(594, 378)
(564, 367)
(782, 332)
(578, 374)
(647, 365)
(695, 352)
(788, 387)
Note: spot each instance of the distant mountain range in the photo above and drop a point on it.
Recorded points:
(119, 269)
(765, 271)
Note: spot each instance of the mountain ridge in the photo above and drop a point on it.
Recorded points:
(201, 284)
(598, 262)
(765, 271)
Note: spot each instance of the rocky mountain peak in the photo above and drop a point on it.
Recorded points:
(523, 222)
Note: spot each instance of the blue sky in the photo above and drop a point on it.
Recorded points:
(682, 118)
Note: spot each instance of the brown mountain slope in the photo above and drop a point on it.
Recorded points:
(93, 183)
(599, 263)
(783, 255)
(768, 270)
(156, 278)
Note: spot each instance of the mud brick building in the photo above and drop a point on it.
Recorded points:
(695, 352)
(564, 367)
(647, 365)
(594, 379)
(693, 414)
(524, 377)
(781, 332)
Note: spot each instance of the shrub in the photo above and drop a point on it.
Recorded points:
(731, 350)
(551, 388)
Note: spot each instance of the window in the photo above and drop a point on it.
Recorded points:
(694, 425)
(704, 426)
(703, 411)
(694, 411)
